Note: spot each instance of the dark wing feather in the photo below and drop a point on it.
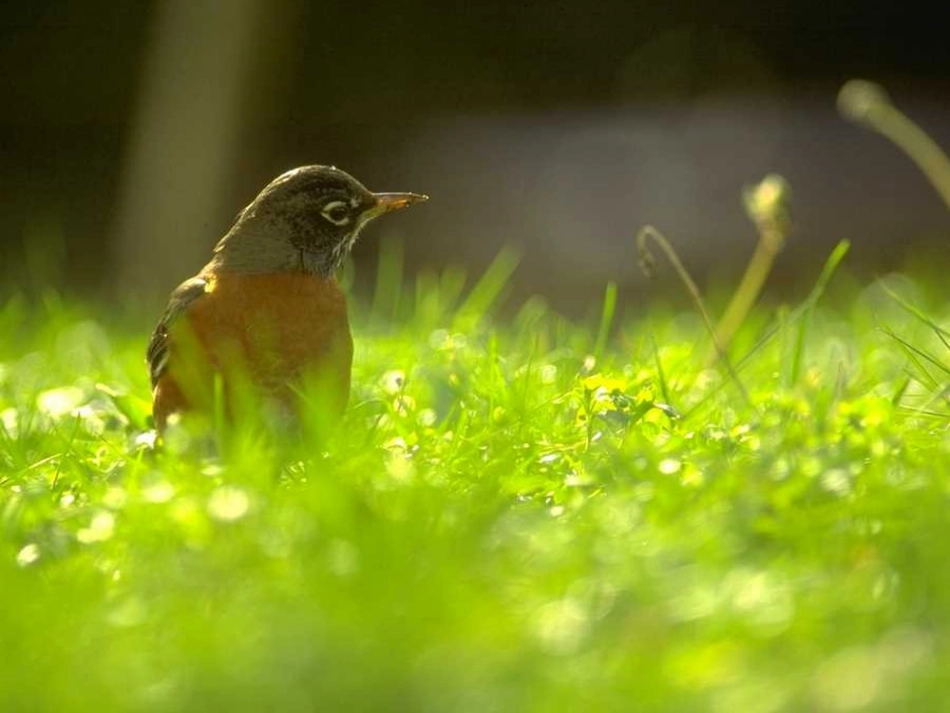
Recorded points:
(179, 301)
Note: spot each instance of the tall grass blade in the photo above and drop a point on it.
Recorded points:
(486, 291)
(389, 278)
(606, 319)
(808, 307)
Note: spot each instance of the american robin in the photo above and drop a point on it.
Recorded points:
(266, 312)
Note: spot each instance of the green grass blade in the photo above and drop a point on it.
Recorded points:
(489, 287)
(808, 308)
(607, 311)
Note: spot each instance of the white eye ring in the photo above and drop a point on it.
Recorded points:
(337, 212)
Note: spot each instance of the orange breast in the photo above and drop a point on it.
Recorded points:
(266, 335)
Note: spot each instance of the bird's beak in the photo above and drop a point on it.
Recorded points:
(386, 202)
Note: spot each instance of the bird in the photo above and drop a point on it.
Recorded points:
(266, 316)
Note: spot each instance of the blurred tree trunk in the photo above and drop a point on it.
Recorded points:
(206, 78)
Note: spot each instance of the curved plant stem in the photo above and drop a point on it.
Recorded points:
(867, 103)
(647, 262)
(766, 206)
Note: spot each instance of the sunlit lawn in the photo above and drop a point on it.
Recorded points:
(517, 514)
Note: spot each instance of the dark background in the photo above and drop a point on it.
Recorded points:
(132, 132)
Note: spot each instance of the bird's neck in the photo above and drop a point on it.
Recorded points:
(257, 249)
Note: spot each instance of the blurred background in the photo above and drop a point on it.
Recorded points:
(133, 132)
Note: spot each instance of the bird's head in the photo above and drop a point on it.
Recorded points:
(306, 219)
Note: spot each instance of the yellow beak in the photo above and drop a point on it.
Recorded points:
(386, 202)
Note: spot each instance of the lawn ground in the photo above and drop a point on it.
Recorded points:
(519, 514)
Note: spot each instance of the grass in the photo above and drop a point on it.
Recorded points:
(531, 515)
(528, 515)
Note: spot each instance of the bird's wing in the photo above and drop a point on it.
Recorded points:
(178, 303)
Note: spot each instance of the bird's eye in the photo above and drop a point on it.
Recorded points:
(337, 212)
